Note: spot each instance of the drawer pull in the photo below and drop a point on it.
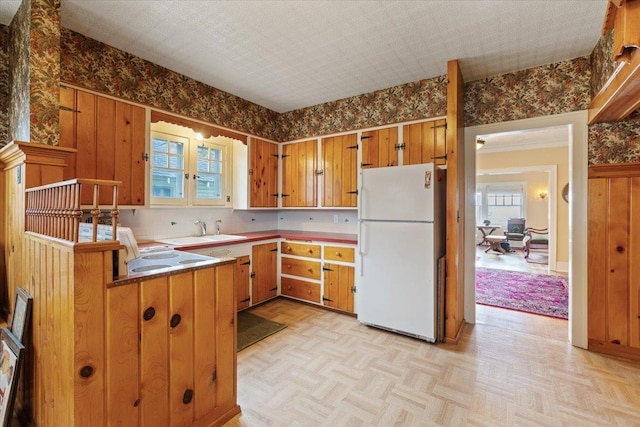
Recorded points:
(288, 248)
(338, 254)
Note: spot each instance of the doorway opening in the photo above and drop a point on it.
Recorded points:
(522, 232)
(574, 126)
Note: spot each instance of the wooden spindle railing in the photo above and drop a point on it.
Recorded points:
(54, 209)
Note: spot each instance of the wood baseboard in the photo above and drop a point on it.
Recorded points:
(614, 349)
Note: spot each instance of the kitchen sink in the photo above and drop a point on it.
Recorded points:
(199, 240)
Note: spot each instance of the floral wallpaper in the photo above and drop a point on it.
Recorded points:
(18, 53)
(34, 78)
(540, 91)
(550, 89)
(412, 101)
(613, 143)
(4, 85)
(602, 63)
(94, 65)
(44, 68)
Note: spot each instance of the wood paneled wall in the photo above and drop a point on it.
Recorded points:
(614, 260)
(24, 165)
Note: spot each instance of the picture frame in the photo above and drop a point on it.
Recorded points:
(21, 313)
(11, 353)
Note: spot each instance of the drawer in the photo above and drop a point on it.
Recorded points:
(339, 253)
(300, 289)
(300, 267)
(300, 249)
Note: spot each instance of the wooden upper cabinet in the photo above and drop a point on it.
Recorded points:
(339, 166)
(299, 182)
(425, 143)
(379, 148)
(263, 174)
(109, 136)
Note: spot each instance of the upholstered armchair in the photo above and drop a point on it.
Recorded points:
(515, 229)
(535, 238)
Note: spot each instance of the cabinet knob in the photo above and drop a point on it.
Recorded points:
(309, 291)
(289, 287)
(86, 371)
(149, 313)
(187, 397)
(175, 320)
(338, 254)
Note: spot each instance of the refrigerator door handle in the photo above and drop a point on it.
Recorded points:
(361, 245)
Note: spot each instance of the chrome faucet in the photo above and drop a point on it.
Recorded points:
(218, 221)
(203, 227)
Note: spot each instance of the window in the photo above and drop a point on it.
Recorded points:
(499, 202)
(186, 170)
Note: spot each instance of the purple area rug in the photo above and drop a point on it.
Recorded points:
(533, 293)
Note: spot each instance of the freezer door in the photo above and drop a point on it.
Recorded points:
(396, 281)
(403, 193)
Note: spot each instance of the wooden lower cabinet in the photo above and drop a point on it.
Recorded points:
(309, 269)
(614, 262)
(319, 273)
(264, 272)
(171, 350)
(301, 289)
(338, 286)
(243, 271)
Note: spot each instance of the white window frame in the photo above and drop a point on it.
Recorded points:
(192, 142)
(483, 189)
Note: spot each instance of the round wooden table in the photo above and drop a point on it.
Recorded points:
(494, 243)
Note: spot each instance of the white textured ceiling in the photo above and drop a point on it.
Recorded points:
(286, 55)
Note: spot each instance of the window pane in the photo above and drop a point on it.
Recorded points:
(216, 155)
(203, 152)
(203, 165)
(160, 160)
(159, 145)
(176, 148)
(209, 186)
(176, 162)
(168, 184)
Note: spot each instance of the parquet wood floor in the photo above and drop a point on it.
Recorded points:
(510, 369)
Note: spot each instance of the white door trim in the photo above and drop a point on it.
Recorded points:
(578, 170)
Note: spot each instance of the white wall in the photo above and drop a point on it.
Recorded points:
(150, 224)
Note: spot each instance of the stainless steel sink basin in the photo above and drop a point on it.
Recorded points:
(199, 240)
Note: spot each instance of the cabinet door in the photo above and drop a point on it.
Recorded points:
(263, 174)
(338, 286)
(264, 265)
(67, 116)
(299, 182)
(425, 143)
(379, 148)
(110, 138)
(339, 171)
(243, 269)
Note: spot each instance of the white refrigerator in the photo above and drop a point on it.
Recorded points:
(401, 232)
